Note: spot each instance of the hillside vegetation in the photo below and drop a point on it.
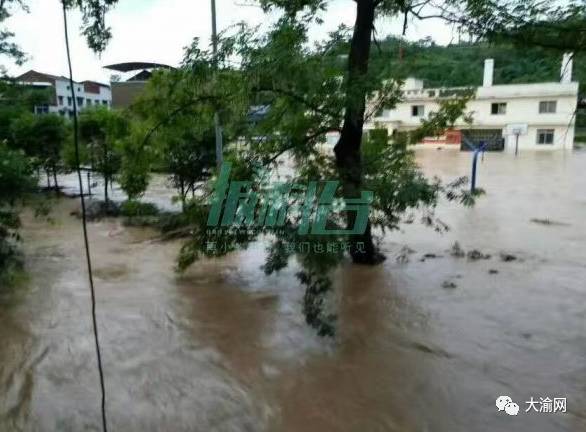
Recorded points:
(462, 64)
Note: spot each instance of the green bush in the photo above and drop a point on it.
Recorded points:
(16, 179)
(137, 208)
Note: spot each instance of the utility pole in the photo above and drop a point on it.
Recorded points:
(218, 127)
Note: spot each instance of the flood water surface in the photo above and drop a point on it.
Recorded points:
(426, 341)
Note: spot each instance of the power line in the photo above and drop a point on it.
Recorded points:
(84, 220)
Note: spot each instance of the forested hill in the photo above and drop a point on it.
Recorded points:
(462, 64)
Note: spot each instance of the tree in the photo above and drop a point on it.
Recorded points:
(283, 99)
(184, 140)
(189, 160)
(17, 100)
(487, 18)
(42, 138)
(305, 93)
(136, 164)
(102, 132)
(7, 47)
(51, 132)
(16, 178)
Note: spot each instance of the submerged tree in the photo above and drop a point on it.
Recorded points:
(481, 17)
(189, 160)
(136, 163)
(16, 179)
(102, 131)
(302, 95)
(305, 94)
(179, 131)
(42, 138)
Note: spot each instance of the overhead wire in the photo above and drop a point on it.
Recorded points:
(84, 221)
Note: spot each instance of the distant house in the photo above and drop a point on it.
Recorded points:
(125, 92)
(537, 116)
(87, 93)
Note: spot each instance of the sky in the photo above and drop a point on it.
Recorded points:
(158, 30)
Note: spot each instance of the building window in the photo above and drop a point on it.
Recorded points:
(105, 103)
(88, 102)
(417, 110)
(498, 108)
(80, 101)
(60, 98)
(69, 101)
(41, 109)
(545, 136)
(547, 107)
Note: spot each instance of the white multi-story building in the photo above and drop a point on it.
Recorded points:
(87, 93)
(537, 116)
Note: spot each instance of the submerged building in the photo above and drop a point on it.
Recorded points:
(539, 116)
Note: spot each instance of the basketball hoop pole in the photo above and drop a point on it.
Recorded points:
(477, 151)
(474, 162)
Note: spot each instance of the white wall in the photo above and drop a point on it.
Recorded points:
(62, 89)
(563, 139)
(522, 107)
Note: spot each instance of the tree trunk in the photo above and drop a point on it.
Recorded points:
(105, 171)
(182, 183)
(106, 189)
(347, 150)
(55, 178)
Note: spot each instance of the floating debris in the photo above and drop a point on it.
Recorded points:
(449, 285)
(548, 222)
(112, 272)
(493, 271)
(475, 255)
(457, 251)
(96, 210)
(431, 256)
(404, 253)
(507, 257)
(425, 348)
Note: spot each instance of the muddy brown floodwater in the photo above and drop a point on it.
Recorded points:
(423, 345)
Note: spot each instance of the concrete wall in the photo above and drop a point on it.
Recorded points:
(65, 104)
(522, 107)
(125, 93)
